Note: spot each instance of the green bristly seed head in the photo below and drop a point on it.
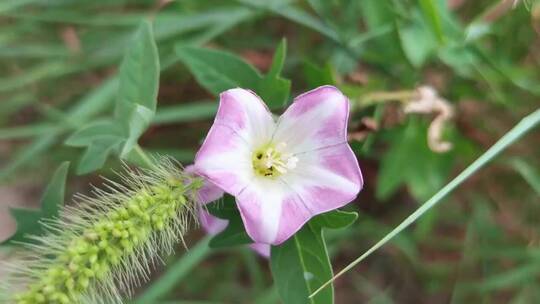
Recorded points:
(89, 253)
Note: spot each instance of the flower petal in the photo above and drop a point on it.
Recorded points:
(262, 249)
(242, 124)
(211, 224)
(260, 206)
(316, 119)
(246, 114)
(327, 179)
(209, 192)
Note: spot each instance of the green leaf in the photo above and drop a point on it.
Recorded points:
(300, 265)
(340, 15)
(28, 221)
(422, 170)
(185, 112)
(295, 14)
(96, 154)
(138, 88)
(430, 10)
(218, 71)
(461, 59)
(235, 233)
(316, 76)
(98, 130)
(380, 16)
(335, 219)
(273, 89)
(139, 71)
(135, 106)
(416, 41)
(279, 60)
(324, 9)
(138, 119)
(31, 130)
(223, 209)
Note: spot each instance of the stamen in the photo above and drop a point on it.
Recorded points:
(271, 161)
(280, 169)
(291, 162)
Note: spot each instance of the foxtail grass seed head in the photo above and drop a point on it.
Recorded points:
(98, 250)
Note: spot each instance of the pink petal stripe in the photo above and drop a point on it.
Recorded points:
(209, 192)
(242, 124)
(315, 120)
(211, 224)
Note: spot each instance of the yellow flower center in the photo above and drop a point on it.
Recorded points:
(270, 160)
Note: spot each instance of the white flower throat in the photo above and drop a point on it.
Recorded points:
(271, 161)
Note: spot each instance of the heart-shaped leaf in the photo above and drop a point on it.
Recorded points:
(138, 88)
(235, 233)
(216, 70)
(28, 220)
(135, 105)
(301, 264)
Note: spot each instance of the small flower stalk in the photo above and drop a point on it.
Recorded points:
(97, 251)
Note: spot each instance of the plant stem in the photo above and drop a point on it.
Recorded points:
(142, 158)
(383, 97)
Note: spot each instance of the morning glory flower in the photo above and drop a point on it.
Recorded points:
(281, 171)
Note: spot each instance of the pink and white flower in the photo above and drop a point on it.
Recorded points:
(281, 171)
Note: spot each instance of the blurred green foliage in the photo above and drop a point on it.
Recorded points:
(28, 220)
(59, 74)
